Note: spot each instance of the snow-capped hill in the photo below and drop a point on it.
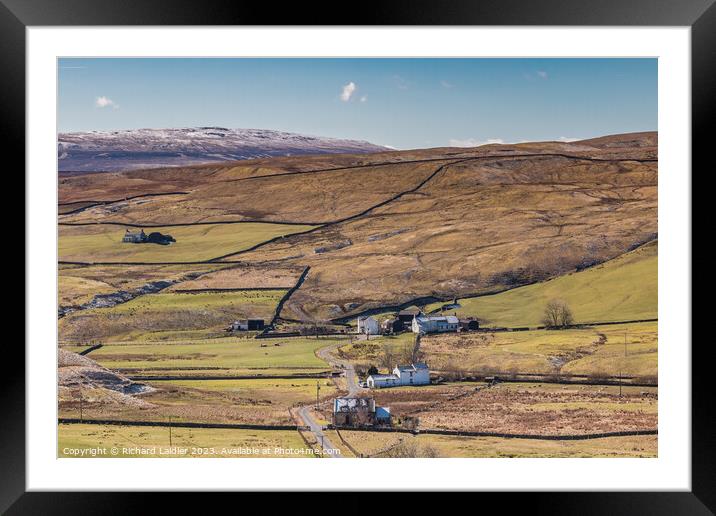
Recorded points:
(145, 148)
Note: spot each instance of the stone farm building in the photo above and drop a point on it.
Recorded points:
(368, 325)
(406, 316)
(469, 324)
(413, 374)
(358, 412)
(134, 237)
(392, 326)
(247, 325)
(435, 324)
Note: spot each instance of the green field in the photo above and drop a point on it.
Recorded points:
(573, 351)
(622, 289)
(277, 391)
(147, 441)
(102, 243)
(226, 354)
(168, 315)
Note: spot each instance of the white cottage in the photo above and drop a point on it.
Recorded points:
(435, 324)
(368, 325)
(413, 374)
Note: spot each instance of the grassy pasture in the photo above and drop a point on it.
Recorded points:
(277, 391)
(621, 289)
(155, 439)
(226, 354)
(168, 314)
(597, 350)
(193, 243)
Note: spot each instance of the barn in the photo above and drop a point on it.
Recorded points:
(392, 326)
(469, 324)
(381, 381)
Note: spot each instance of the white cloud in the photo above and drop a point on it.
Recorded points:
(348, 91)
(400, 82)
(542, 74)
(103, 102)
(446, 84)
(566, 139)
(472, 142)
(364, 98)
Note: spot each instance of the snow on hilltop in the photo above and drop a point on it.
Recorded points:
(145, 148)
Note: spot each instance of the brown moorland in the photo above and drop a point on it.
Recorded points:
(445, 222)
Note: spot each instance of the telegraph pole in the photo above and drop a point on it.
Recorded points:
(318, 389)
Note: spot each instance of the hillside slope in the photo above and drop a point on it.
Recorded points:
(621, 289)
(396, 226)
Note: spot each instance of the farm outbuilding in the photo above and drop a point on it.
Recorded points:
(392, 326)
(381, 381)
(469, 324)
(406, 316)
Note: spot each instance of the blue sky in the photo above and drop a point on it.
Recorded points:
(403, 103)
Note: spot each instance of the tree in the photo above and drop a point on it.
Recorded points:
(557, 314)
(372, 370)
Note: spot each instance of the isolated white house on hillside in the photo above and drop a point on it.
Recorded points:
(435, 324)
(368, 325)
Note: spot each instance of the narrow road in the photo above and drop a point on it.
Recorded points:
(329, 450)
(353, 389)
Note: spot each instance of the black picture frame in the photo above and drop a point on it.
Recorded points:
(700, 15)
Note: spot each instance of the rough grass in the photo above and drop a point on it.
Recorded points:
(450, 446)
(370, 443)
(597, 350)
(621, 289)
(152, 316)
(155, 440)
(74, 290)
(193, 243)
(540, 409)
(243, 277)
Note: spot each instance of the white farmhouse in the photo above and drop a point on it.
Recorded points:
(413, 374)
(435, 324)
(368, 325)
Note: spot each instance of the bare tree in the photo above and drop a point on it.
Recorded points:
(387, 357)
(411, 449)
(557, 314)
